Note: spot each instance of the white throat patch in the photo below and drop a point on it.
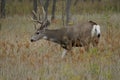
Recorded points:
(45, 37)
(95, 30)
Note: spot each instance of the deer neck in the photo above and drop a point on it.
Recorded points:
(53, 35)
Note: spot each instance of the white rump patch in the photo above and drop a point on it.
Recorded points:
(95, 30)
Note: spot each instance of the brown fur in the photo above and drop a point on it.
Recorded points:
(78, 36)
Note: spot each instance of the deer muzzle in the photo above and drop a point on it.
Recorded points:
(32, 40)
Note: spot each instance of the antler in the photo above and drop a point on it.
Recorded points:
(44, 22)
(44, 12)
(38, 19)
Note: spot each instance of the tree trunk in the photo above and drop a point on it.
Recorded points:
(63, 13)
(84, 0)
(20, 0)
(76, 1)
(68, 3)
(99, 0)
(46, 7)
(53, 9)
(35, 8)
(2, 8)
(92, 1)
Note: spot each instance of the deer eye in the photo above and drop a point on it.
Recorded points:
(37, 32)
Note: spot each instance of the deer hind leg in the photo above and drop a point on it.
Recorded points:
(87, 48)
(95, 42)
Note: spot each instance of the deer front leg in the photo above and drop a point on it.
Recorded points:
(64, 53)
(66, 48)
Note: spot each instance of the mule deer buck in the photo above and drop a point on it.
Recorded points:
(80, 35)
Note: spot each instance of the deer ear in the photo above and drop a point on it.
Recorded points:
(48, 21)
(45, 24)
(42, 27)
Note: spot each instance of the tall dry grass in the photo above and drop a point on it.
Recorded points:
(22, 60)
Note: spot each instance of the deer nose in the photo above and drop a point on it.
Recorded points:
(98, 35)
(32, 40)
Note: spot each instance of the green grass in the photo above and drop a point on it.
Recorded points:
(22, 60)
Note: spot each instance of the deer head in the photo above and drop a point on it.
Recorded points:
(42, 24)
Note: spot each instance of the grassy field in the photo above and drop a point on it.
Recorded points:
(22, 60)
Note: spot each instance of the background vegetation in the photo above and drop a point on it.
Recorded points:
(24, 7)
(22, 60)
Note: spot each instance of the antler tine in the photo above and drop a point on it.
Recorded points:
(34, 13)
(43, 9)
(39, 17)
(44, 12)
(37, 20)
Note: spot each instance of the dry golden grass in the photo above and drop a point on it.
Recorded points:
(22, 60)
